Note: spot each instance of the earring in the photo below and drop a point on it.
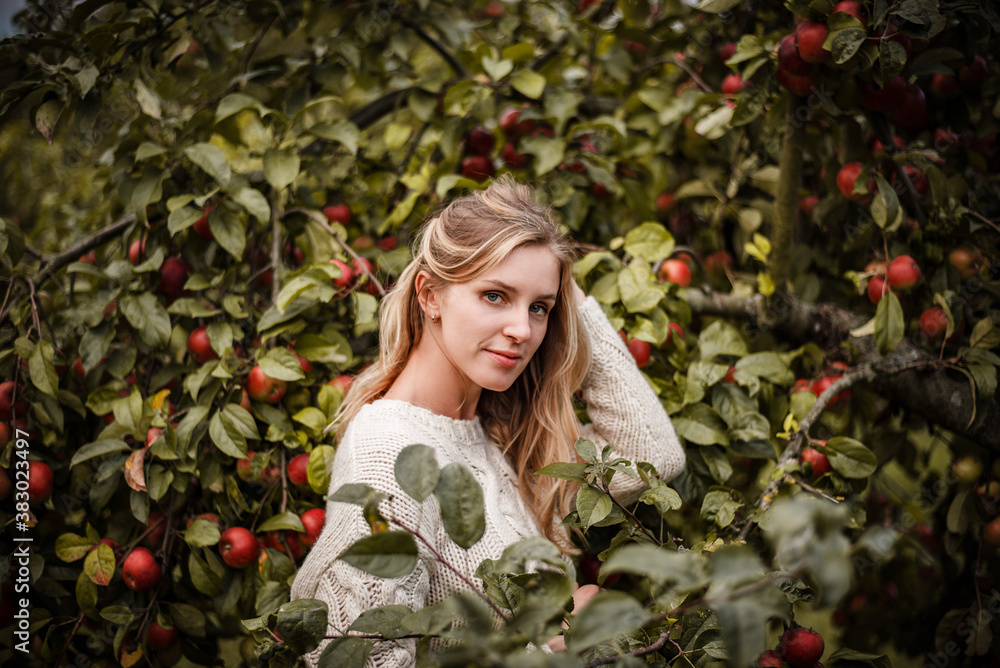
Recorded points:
(434, 319)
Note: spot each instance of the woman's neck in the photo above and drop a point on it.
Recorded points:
(430, 381)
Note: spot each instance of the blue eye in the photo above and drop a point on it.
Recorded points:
(539, 309)
(492, 297)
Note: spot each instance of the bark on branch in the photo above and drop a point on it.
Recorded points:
(914, 379)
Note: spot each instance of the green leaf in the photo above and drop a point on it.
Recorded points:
(587, 450)
(43, 373)
(188, 619)
(237, 102)
(593, 505)
(549, 152)
(607, 615)
(71, 547)
(287, 520)
(226, 437)
(148, 316)
(255, 204)
(721, 338)
(202, 533)
(302, 624)
(889, 323)
(118, 614)
(345, 132)
(99, 565)
(497, 69)
(885, 206)
(461, 500)
(229, 230)
(639, 291)
(767, 365)
(203, 577)
(565, 470)
(663, 497)
(718, 507)
(320, 465)
(281, 364)
(845, 43)
(281, 167)
(529, 83)
(685, 570)
(417, 471)
(850, 458)
(383, 620)
(388, 554)
(985, 334)
(346, 653)
(98, 449)
(212, 160)
(651, 241)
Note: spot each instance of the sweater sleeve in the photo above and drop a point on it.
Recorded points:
(367, 456)
(624, 408)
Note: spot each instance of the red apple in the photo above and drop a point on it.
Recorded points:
(141, 571)
(480, 141)
(201, 227)
(944, 86)
(852, 7)
(344, 282)
(974, 74)
(137, 251)
(933, 323)
(640, 351)
(313, 521)
(807, 205)
(809, 38)
(675, 271)
(338, 213)
(912, 113)
(671, 329)
(513, 126)
(477, 168)
(159, 638)
(876, 289)
(718, 262)
(797, 84)
(298, 469)
(39, 481)
(173, 275)
(966, 260)
(294, 255)
(4, 434)
(846, 178)
(801, 647)
(262, 387)
(8, 406)
(89, 257)
(342, 383)
(902, 273)
(769, 659)
(732, 84)
(512, 158)
(820, 462)
(878, 99)
(789, 58)
(238, 547)
(154, 539)
(665, 201)
(199, 347)
(820, 385)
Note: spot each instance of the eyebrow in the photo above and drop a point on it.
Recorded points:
(512, 290)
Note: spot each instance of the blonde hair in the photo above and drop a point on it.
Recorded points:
(533, 420)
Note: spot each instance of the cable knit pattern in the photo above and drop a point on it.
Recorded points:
(624, 409)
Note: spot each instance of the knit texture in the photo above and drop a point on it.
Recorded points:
(624, 411)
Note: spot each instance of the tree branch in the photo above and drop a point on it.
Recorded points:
(435, 44)
(786, 198)
(908, 374)
(56, 262)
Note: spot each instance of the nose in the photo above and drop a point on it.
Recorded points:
(518, 325)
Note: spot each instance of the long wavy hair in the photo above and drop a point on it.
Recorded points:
(533, 420)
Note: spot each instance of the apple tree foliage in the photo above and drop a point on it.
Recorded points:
(237, 148)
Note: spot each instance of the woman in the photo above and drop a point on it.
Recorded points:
(484, 338)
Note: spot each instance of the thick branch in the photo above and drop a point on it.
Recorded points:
(908, 374)
(786, 198)
(60, 260)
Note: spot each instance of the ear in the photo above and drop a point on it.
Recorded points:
(425, 296)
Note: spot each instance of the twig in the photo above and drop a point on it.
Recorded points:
(350, 251)
(980, 217)
(889, 146)
(862, 373)
(62, 652)
(809, 488)
(276, 274)
(435, 44)
(59, 260)
(642, 651)
(449, 566)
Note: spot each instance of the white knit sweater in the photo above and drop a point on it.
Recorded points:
(624, 409)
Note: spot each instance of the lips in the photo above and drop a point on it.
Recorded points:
(505, 359)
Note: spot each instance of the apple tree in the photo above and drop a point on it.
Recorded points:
(790, 210)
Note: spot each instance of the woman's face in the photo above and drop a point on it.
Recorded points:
(490, 327)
